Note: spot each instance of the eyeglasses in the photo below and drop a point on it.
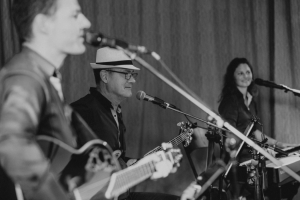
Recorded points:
(128, 75)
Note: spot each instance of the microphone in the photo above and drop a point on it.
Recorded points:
(269, 84)
(98, 39)
(141, 95)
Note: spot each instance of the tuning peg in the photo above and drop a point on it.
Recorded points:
(180, 123)
(186, 143)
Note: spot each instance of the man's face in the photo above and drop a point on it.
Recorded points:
(67, 26)
(118, 85)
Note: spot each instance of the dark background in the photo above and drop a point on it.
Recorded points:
(197, 39)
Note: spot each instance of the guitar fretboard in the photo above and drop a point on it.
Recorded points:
(125, 179)
(175, 142)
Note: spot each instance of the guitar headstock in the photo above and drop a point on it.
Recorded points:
(186, 129)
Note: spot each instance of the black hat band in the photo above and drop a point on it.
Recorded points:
(121, 62)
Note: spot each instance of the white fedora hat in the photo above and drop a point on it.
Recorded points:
(108, 58)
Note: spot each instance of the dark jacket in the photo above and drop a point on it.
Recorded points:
(233, 110)
(95, 109)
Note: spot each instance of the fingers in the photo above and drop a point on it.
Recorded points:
(162, 169)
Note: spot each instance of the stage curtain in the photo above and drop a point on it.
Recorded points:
(196, 39)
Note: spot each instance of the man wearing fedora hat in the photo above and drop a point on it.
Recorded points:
(115, 75)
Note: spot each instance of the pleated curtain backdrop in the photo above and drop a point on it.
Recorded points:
(196, 39)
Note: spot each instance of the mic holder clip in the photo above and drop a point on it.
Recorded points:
(256, 120)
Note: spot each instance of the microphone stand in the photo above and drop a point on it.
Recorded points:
(166, 105)
(219, 120)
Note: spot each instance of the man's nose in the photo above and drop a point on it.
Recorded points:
(132, 80)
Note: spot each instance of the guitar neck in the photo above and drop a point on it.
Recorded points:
(129, 177)
(175, 142)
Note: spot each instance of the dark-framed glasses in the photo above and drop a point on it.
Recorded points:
(128, 75)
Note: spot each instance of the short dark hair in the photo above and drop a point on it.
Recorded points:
(229, 85)
(97, 75)
(24, 12)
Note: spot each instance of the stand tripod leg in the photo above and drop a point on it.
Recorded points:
(220, 187)
(275, 193)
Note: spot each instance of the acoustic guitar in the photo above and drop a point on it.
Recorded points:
(92, 172)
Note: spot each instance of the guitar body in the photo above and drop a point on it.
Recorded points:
(85, 171)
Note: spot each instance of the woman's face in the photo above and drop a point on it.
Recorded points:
(243, 76)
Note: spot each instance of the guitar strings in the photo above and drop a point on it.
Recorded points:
(175, 142)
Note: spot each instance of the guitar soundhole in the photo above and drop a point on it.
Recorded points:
(82, 168)
(94, 162)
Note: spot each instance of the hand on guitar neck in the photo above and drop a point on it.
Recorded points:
(131, 162)
(156, 165)
(163, 167)
(118, 154)
(185, 137)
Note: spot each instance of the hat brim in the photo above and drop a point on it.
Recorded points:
(99, 66)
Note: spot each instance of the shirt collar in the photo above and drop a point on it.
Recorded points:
(103, 100)
(249, 98)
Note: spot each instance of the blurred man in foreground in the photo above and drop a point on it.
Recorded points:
(30, 93)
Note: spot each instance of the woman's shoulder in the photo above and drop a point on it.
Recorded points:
(231, 98)
(230, 101)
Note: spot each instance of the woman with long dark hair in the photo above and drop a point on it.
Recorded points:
(238, 107)
(237, 104)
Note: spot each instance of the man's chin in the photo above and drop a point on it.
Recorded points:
(80, 49)
(128, 94)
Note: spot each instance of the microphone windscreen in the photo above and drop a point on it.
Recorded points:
(93, 39)
(140, 95)
(259, 81)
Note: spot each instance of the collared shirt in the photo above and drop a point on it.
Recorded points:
(55, 80)
(249, 99)
(115, 110)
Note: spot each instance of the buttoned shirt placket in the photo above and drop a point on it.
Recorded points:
(55, 80)
(114, 112)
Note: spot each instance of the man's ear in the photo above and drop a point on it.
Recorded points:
(41, 24)
(104, 76)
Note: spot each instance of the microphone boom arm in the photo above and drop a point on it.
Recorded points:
(199, 119)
